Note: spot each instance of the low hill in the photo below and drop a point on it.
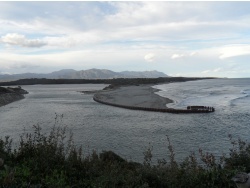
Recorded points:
(84, 74)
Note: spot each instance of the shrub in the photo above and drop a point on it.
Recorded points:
(53, 160)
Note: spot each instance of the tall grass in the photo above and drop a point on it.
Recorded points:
(53, 160)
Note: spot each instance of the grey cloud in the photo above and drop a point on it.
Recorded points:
(34, 43)
(21, 40)
(24, 66)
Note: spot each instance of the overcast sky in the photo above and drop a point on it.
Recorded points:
(177, 38)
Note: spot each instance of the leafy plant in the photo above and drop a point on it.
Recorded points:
(53, 160)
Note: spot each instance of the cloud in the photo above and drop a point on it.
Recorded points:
(121, 21)
(206, 71)
(185, 54)
(5, 73)
(21, 40)
(176, 56)
(84, 23)
(23, 65)
(149, 57)
(193, 53)
(147, 13)
(199, 33)
(176, 75)
(75, 40)
(227, 72)
(213, 70)
(217, 70)
(234, 50)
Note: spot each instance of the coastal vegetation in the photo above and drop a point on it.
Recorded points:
(53, 160)
(114, 82)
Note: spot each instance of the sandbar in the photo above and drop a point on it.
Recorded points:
(138, 96)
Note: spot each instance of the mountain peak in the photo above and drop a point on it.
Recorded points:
(64, 71)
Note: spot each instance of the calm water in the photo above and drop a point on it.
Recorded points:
(129, 132)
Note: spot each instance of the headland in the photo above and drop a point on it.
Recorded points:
(10, 94)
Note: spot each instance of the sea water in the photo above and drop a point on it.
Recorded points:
(129, 132)
(224, 94)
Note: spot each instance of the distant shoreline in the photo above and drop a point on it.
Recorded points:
(116, 81)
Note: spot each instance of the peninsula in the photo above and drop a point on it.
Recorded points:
(10, 94)
(137, 96)
(142, 97)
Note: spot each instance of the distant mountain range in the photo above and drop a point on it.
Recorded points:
(85, 74)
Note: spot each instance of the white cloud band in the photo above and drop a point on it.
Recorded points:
(21, 40)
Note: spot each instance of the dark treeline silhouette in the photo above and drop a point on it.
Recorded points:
(115, 81)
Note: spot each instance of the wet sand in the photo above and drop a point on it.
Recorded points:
(138, 96)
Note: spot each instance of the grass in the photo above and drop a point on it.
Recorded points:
(53, 160)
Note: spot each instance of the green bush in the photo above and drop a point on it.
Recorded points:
(53, 160)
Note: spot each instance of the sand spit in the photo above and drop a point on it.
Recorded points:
(143, 98)
(137, 96)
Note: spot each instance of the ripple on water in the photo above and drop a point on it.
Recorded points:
(129, 132)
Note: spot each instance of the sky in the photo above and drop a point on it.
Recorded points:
(178, 38)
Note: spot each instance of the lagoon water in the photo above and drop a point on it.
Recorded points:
(128, 132)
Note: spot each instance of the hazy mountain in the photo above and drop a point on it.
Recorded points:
(96, 74)
(65, 73)
(144, 74)
(7, 77)
(85, 74)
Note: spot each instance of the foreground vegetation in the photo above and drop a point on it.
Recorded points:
(53, 160)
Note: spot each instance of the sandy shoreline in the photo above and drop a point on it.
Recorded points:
(138, 96)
